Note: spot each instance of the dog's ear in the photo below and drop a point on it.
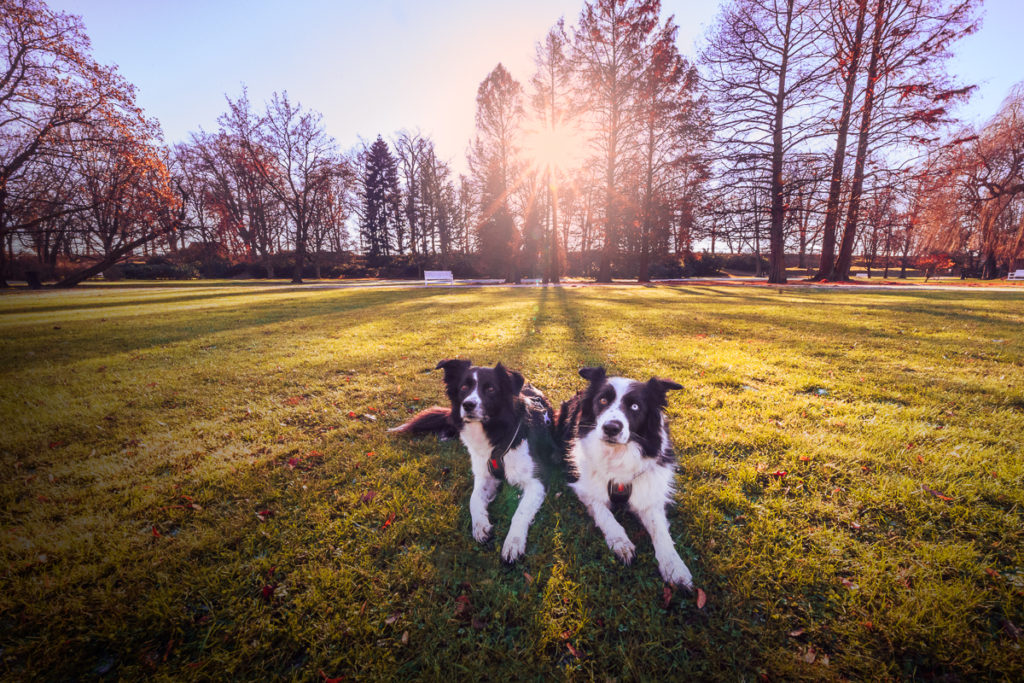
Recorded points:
(453, 368)
(513, 378)
(657, 388)
(592, 375)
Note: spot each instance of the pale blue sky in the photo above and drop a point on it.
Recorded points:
(376, 67)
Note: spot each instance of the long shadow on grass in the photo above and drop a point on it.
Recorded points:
(128, 337)
(149, 299)
(586, 349)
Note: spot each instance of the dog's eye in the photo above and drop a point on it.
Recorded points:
(634, 407)
(490, 390)
(465, 387)
(603, 401)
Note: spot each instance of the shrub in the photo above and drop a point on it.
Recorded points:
(702, 265)
(745, 262)
(158, 271)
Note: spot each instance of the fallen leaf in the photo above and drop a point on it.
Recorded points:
(1011, 629)
(573, 651)
(823, 660)
(809, 655)
(702, 599)
(328, 679)
(57, 444)
(855, 526)
(462, 606)
(263, 514)
(868, 625)
(804, 458)
(849, 584)
(797, 633)
(992, 572)
(666, 596)
(293, 400)
(529, 579)
(371, 418)
(566, 635)
(920, 459)
(370, 454)
(388, 521)
(368, 496)
(351, 413)
(156, 534)
(405, 638)
(779, 473)
(267, 592)
(937, 494)
(392, 618)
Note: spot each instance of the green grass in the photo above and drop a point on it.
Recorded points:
(147, 432)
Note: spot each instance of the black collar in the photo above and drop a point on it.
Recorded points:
(618, 494)
(496, 463)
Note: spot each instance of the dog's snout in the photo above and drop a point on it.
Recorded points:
(468, 406)
(612, 428)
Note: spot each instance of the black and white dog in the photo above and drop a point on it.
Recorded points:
(504, 423)
(618, 449)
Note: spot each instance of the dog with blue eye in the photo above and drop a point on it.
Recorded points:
(506, 425)
(617, 449)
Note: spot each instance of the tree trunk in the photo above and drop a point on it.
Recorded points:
(842, 269)
(776, 235)
(112, 257)
(644, 268)
(268, 264)
(300, 254)
(3, 261)
(554, 260)
(835, 187)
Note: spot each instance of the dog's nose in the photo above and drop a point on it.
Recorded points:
(468, 406)
(612, 428)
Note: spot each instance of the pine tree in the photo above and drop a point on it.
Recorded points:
(379, 223)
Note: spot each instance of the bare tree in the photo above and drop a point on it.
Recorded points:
(765, 74)
(906, 88)
(299, 164)
(49, 82)
(608, 57)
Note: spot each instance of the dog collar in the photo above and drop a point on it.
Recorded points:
(618, 494)
(496, 466)
(496, 463)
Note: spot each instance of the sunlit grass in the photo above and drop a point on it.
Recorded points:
(197, 484)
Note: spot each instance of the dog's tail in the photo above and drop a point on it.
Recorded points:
(435, 420)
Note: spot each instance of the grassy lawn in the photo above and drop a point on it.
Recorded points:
(196, 483)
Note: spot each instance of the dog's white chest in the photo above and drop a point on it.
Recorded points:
(475, 441)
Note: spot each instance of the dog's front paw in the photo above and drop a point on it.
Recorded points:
(676, 573)
(513, 548)
(482, 531)
(623, 548)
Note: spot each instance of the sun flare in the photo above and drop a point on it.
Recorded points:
(556, 148)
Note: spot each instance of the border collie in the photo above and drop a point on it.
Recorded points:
(505, 425)
(619, 452)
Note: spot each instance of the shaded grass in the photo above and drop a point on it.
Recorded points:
(185, 494)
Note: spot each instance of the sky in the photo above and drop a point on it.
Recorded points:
(378, 66)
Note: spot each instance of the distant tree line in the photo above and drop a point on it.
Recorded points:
(812, 132)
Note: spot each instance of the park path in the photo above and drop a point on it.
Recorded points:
(701, 282)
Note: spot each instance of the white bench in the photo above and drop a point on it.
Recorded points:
(1016, 275)
(438, 277)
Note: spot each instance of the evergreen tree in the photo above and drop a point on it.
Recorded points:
(381, 215)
